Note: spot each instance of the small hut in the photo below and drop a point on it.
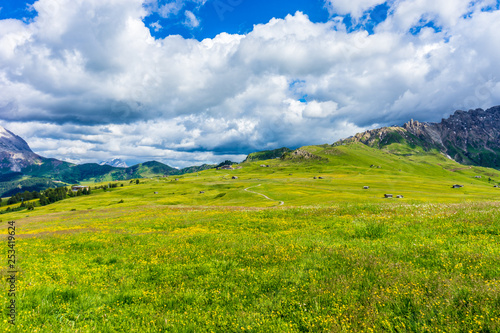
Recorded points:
(79, 188)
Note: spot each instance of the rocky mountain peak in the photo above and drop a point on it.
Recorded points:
(9, 142)
(15, 154)
(472, 137)
(469, 137)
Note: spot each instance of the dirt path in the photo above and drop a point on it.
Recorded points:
(265, 196)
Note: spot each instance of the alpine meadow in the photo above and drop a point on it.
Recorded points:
(294, 244)
(224, 166)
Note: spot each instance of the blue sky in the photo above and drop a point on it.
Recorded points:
(216, 16)
(234, 17)
(187, 82)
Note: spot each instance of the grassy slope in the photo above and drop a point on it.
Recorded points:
(94, 173)
(333, 257)
(267, 154)
(35, 177)
(422, 177)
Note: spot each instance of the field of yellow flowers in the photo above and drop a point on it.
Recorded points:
(294, 246)
(348, 267)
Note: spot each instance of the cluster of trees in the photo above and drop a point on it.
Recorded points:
(29, 205)
(52, 195)
(10, 186)
(46, 197)
(20, 197)
(85, 191)
(226, 162)
(110, 185)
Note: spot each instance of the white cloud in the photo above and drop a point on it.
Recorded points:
(156, 26)
(320, 110)
(355, 8)
(88, 74)
(171, 8)
(444, 13)
(85, 144)
(405, 14)
(191, 20)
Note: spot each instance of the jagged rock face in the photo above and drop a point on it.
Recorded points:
(471, 137)
(11, 142)
(15, 154)
(378, 137)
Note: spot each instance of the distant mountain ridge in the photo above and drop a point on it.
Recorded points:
(471, 138)
(115, 162)
(21, 169)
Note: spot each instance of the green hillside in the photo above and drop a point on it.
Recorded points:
(51, 173)
(75, 173)
(11, 184)
(296, 179)
(299, 246)
(267, 154)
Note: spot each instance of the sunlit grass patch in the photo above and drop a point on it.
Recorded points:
(351, 267)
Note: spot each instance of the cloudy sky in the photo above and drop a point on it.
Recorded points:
(186, 82)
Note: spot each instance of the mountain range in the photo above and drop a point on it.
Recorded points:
(23, 170)
(471, 138)
(115, 162)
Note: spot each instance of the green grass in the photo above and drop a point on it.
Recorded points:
(353, 267)
(333, 258)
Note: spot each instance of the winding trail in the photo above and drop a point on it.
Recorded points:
(265, 196)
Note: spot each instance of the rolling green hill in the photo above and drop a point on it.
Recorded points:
(308, 243)
(267, 154)
(50, 173)
(468, 137)
(11, 184)
(298, 246)
(313, 175)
